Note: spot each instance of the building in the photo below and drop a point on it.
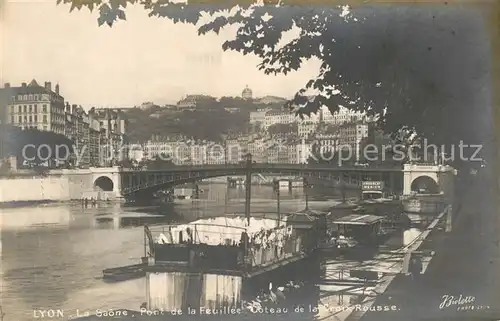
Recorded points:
(304, 151)
(190, 102)
(6, 95)
(257, 147)
(343, 115)
(307, 128)
(215, 154)
(278, 117)
(113, 141)
(266, 100)
(355, 137)
(236, 149)
(34, 106)
(232, 110)
(326, 144)
(258, 117)
(246, 93)
(180, 152)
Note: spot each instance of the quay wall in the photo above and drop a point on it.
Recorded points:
(49, 188)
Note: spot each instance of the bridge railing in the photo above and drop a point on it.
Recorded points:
(260, 166)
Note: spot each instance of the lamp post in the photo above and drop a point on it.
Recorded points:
(278, 210)
(248, 186)
(306, 192)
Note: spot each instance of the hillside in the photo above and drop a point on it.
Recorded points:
(208, 119)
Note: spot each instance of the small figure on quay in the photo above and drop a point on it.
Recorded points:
(415, 267)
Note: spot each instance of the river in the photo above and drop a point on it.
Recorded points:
(53, 255)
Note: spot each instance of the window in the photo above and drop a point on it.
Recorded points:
(12, 108)
(20, 119)
(35, 108)
(44, 108)
(35, 97)
(19, 97)
(45, 119)
(25, 119)
(25, 108)
(20, 108)
(31, 119)
(12, 119)
(30, 97)
(36, 119)
(25, 97)
(31, 108)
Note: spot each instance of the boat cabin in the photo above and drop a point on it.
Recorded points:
(362, 228)
(372, 190)
(310, 225)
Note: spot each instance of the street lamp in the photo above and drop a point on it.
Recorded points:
(277, 190)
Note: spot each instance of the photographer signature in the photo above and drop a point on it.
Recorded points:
(451, 300)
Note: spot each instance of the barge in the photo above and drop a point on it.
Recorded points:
(125, 273)
(205, 263)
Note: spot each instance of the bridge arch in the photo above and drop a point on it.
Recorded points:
(104, 183)
(425, 184)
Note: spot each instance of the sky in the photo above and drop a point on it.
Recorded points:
(138, 60)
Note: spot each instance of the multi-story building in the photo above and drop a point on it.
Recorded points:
(183, 152)
(236, 148)
(343, 115)
(113, 146)
(259, 116)
(96, 135)
(304, 151)
(191, 101)
(278, 117)
(257, 147)
(293, 148)
(355, 137)
(306, 128)
(215, 154)
(326, 144)
(6, 95)
(34, 106)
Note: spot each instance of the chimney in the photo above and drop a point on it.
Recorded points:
(73, 109)
(23, 85)
(57, 89)
(48, 85)
(7, 85)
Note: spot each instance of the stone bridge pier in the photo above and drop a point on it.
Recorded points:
(429, 179)
(107, 181)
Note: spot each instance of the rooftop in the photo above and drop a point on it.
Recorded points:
(356, 219)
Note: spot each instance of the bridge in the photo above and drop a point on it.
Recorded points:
(410, 177)
(135, 181)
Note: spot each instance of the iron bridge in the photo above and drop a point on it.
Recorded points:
(135, 180)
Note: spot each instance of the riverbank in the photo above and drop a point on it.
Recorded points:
(18, 204)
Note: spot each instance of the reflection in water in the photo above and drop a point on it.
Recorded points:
(53, 256)
(280, 294)
(42, 216)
